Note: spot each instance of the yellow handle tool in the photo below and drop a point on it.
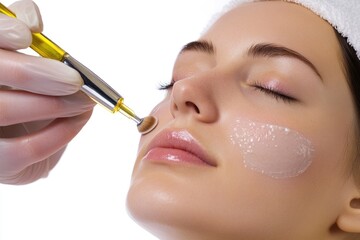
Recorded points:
(94, 86)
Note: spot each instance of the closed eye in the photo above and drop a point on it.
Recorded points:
(273, 93)
(257, 86)
(166, 86)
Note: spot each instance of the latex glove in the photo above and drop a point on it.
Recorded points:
(41, 109)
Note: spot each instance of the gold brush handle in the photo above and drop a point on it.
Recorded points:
(46, 48)
(40, 44)
(93, 86)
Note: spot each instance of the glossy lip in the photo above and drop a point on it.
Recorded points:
(181, 143)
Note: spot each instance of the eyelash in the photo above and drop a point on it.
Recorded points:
(257, 86)
(273, 93)
(166, 86)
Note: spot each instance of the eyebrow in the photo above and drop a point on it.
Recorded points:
(256, 50)
(273, 50)
(199, 46)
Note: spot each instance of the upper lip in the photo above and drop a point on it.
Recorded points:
(180, 139)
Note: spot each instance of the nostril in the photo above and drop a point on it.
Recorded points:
(192, 105)
(355, 203)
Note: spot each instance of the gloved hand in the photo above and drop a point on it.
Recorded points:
(41, 109)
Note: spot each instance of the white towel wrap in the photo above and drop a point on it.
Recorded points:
(343, 15)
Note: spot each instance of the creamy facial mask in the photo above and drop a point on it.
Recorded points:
(276, 151)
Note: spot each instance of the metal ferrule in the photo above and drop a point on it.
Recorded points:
(94, 86)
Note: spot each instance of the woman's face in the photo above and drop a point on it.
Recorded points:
(254, 136)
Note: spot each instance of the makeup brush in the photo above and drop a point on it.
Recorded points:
(96, 88)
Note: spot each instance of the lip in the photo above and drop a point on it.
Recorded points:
(177, 147)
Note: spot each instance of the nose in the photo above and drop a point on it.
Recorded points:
(194, 97)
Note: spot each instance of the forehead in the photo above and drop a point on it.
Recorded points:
(277, 22)
(272, 12)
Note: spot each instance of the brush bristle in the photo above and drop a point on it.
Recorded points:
(147, 125)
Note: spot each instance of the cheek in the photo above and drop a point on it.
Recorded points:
(163, 115)
(272, 150)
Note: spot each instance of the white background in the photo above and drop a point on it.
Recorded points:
(132, 45)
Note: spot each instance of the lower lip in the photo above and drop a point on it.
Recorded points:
(173, 156)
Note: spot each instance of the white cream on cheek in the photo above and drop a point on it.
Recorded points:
(272, 150)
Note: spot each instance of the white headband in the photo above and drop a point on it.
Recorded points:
(343, 15)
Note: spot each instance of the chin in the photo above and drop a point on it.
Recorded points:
(170, 209)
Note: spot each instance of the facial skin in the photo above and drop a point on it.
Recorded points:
(175, 195)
